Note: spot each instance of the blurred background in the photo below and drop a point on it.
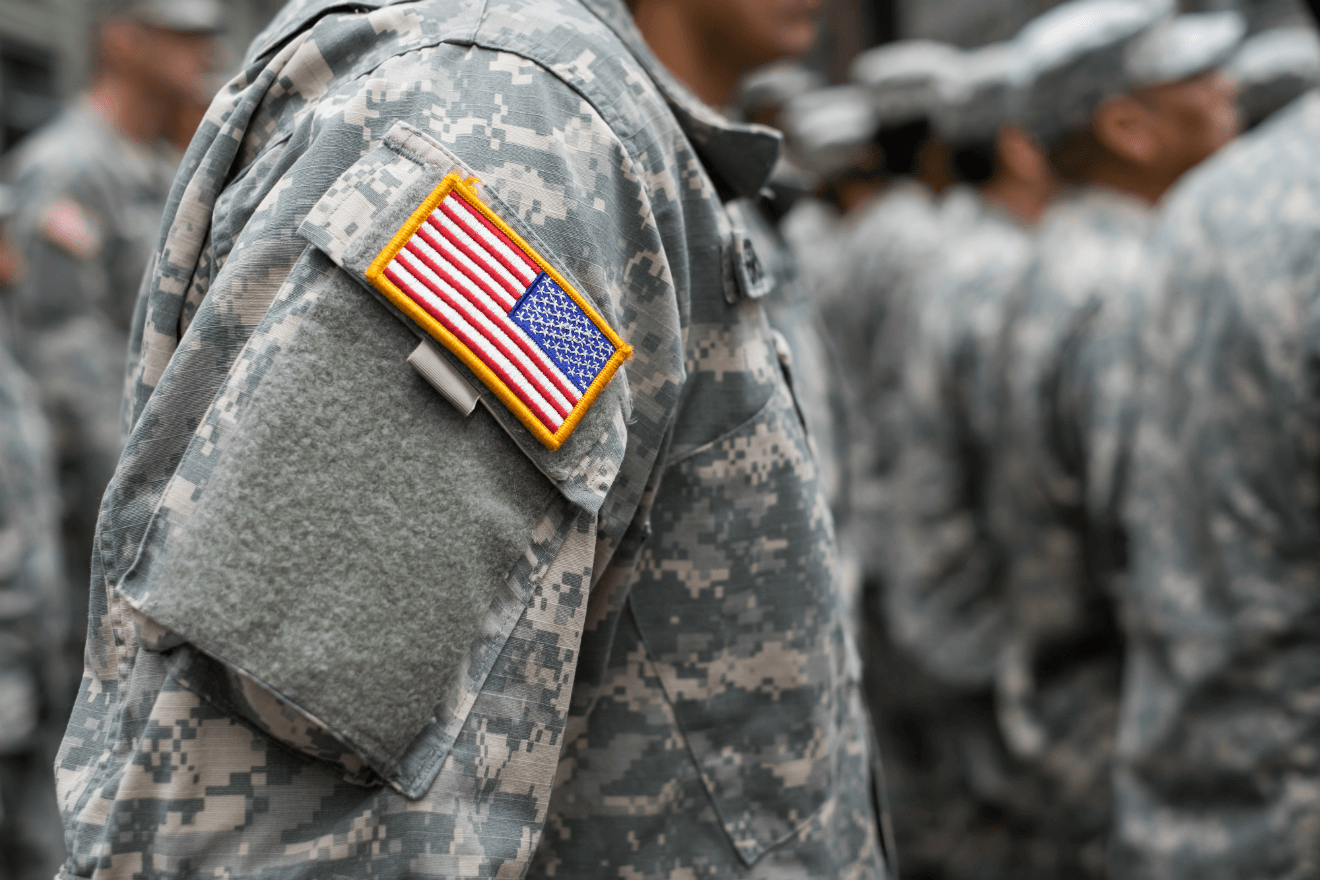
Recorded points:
(44, 56)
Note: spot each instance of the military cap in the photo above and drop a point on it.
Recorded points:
(185, 16)
(830, 130)
(985, 94)
(775, 85)
(1182, 47)
(1273, 67)
(906, 78)
(1084, 52)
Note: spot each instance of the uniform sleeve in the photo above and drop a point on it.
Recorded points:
(345, 556)
(1037, 501)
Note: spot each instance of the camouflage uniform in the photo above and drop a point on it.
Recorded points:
(1058, 479)
(33, 615)
(89, 219)
(1218, 770)
(342, 631)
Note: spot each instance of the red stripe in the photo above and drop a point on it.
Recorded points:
(498, 319)
(503, 294)
(500, 236)
(479, 259)
(467, 341)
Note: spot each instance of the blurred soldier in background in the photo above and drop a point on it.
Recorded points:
(891, 239)
(1126, 100)
(1274, 68)
(830, 146)
(830, 138)
(34, 613)
(91, 189)
(962, 812)
(1218, 771)
(763, 98)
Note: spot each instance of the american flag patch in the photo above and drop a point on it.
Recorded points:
(476, 287)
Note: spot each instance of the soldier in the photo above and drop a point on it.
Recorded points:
(33, 613)
(1272, 69)
(885, 246)
(572, 569)
(944, 604)
(1125, 100)
(92, 188)
(830, 135)
(1217, 767)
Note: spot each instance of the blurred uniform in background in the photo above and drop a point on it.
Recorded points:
(1272, 69)
(830, 141)
(1125, 99)
(887, 243)
(91, 189)
(1218, 772)
(34, 614)
(961, 813)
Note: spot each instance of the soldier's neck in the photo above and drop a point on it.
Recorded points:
(135, 114)
(1024, 200)
(1145, 184)
(708, 71)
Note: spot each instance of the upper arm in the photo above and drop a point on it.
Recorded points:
(336, 534)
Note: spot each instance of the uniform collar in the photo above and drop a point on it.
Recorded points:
(738, 155)
(294, 16)
(1118, 207)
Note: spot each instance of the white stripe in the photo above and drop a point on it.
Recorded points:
(547, 365)
(477, 321)
(488, 351)
(504, 279)
(470, 221)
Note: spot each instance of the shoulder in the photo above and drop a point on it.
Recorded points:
(1092, 243)
(1259, 198)
(499, 52)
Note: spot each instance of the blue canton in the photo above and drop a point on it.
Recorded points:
(563, 331)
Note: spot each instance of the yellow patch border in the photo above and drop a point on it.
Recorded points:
(455, 184)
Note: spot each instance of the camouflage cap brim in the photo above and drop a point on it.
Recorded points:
(183, 16)
(1183, 47)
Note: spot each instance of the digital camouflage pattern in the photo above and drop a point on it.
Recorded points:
(33, 625)
(1059, 478)
(809, 355)
(663, 682)
(90, 205)
(1218, 769)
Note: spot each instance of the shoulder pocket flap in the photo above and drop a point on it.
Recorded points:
(414, 225)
